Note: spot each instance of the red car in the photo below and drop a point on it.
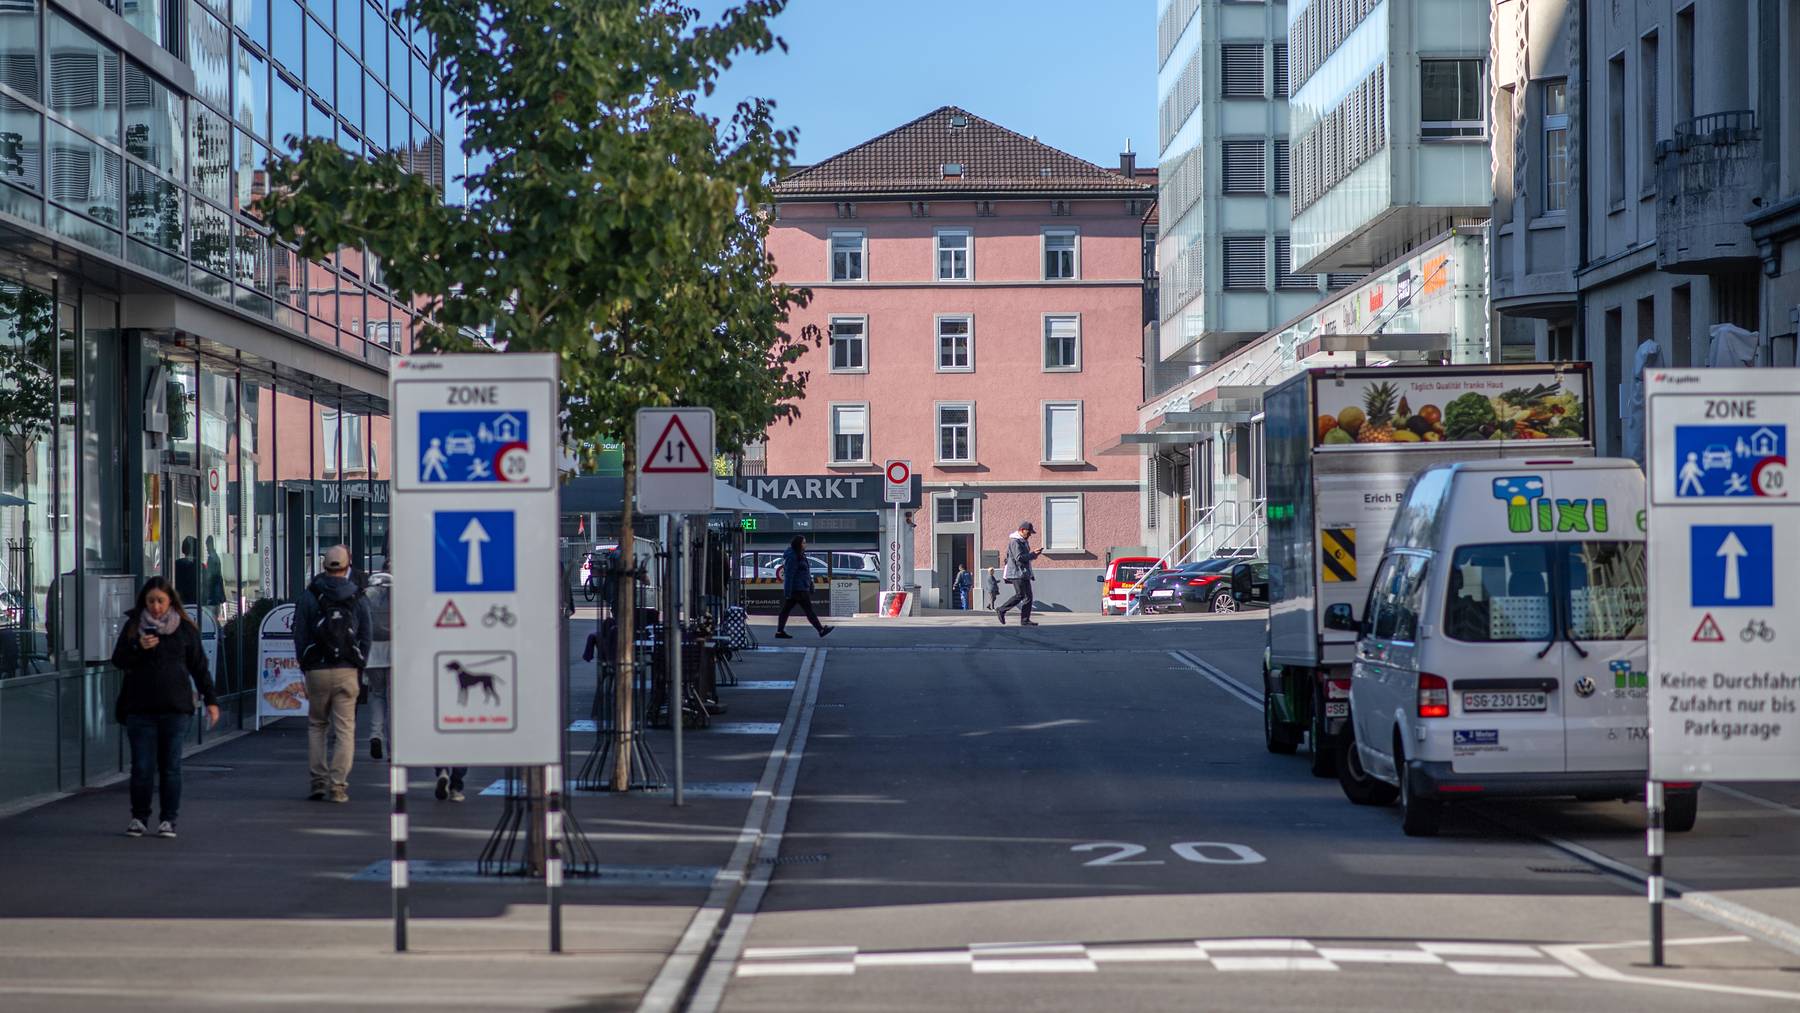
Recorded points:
(1118, 585)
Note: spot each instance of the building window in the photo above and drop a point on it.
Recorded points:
(955, 344)
(342, 441)
(1062, 432)
(1556, 145)
(1647, 87)
(955, 255)
(850, 433)
(1336, 281)
(1242, 73)
(1062, 524)
(849, 344)
(1284, 275)
(956, 432)
(1246, 167)
(1062, 343)
(955, 510)
(1061, 247)
(847, 249)
(1246, 263)
(1615, 148)
(1281, 70)
(1282, 167)
(1450, 99)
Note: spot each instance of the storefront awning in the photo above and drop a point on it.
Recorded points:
(605, 494)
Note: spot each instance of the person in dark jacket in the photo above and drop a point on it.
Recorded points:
(796, 588)
(333, 672)
(964, 583)
(160, 653)
(993, 586)
(1019, 555)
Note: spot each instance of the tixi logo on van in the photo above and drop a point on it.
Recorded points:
(1526, 504)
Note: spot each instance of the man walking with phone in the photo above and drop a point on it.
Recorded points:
(1017, 572)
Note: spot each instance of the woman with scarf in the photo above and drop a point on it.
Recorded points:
(160, 653)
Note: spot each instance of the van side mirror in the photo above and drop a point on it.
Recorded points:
(1341, 617)
(1099, 578)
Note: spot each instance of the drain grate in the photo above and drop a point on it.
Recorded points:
(1565, 870)
(813, 859)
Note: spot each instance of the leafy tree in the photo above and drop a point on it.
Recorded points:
(615, 225)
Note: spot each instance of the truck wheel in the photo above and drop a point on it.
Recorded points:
(1359, 786)
(1680, 810)
(1419, 817)
(1279, 736)
(1223, 603)
(1325, 759)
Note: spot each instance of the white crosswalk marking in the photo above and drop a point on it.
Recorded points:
(1503, 968)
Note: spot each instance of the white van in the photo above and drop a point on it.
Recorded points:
(1502, 651)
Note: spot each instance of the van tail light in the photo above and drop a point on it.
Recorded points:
(1434, 696)
(1337, 689)
(1681, 784)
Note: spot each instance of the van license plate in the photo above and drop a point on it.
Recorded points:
(1505, 701)
(1337, 709)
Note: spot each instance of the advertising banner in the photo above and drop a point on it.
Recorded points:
(1450, 406)
(280, 687)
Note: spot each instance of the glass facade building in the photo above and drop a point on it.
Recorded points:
(180, 393)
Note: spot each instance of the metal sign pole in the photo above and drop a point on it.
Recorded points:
(553, 855)
(397, 877)
(678, 543)
(1653, 845)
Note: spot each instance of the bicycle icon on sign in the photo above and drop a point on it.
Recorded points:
(499, 615)
(1756, 629)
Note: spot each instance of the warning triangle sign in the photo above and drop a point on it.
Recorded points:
(1709, 632)
(675, 452)
(451, 617)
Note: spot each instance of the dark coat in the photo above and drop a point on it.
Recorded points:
(796, 573)
(306, 613)
(161, 680)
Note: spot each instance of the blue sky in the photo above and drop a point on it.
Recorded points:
(1078, 74)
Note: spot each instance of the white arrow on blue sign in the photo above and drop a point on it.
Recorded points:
(475, 551)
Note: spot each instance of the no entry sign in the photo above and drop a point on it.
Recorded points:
(897, 486)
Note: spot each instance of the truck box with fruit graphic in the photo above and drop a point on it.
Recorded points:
(1340, 446)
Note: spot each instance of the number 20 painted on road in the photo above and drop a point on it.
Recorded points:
(1191, 851)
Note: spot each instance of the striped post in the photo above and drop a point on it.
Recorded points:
(553, 838)
(1653, 845)
(397, 867)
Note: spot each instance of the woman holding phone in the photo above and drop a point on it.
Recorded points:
(160, 653)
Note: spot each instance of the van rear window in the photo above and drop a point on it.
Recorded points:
(1131, 572)
(1502, 593)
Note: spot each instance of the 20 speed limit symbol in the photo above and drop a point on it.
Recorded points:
(513, 463)
(1769, 477)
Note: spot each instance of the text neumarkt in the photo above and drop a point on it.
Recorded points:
(1720, 680)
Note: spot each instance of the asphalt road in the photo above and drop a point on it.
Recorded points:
(1074, 817)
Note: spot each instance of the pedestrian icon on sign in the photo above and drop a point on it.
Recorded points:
(485, 447)
(1731, 461)
(431, 467)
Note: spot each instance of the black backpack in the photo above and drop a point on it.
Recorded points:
(333, 641)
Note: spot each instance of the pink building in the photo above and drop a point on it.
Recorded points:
(981, 298)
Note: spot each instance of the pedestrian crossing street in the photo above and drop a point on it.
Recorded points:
(1476, 959)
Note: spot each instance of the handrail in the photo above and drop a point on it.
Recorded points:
(1255, 516)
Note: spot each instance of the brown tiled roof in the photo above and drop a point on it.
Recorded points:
(912, 158)
(1154, 215)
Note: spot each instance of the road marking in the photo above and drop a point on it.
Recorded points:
(1282, 945)
(765, 684)
(927, 958)
(1766, 803)
(794, 969)
(1514, 969)
(745, 727)
(784, 952)
(1126, 954)
(1577, 957)
(1347, 955)
(1225, 682)
(1480, 950)
(1040, 965)
(1273, 964)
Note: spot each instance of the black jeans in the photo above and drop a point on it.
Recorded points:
(156, 741)
(1022, 597)
(804, 600)
(456, 775)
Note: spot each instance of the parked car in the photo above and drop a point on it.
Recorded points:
(1502, 654)
(1220, 585)
(1119, 584)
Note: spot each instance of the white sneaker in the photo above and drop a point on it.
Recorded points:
(456, 795)
(135, 829)
(165, 829)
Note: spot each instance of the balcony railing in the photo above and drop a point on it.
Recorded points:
(1707, 176)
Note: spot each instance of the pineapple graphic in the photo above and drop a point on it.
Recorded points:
(1378, 403)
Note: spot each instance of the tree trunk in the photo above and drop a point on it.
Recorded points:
(625, 619)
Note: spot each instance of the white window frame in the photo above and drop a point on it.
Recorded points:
(937, 253)
(862, 254)
(1044, 252)
(340, 430)
(937, 433)
(1044, 410)
(1044, 330)
(831, 342)
(1555, 124)
(1080, 545)
(832, 426)
(937, 342)
(937, 510)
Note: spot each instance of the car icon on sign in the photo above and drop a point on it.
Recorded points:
(460, 442)
(1716, 456)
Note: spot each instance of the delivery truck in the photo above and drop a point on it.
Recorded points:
(1340, 446)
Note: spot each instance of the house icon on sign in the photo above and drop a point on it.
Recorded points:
(1763, 442)
(506, 429)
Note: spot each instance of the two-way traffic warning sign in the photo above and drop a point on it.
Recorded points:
(675, 453)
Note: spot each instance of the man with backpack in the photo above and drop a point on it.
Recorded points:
(332, 632)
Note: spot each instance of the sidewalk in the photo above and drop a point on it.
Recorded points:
(267, 898)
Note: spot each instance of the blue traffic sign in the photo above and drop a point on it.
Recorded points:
(1729, 460)
(475, 551)
(1732, 564)
(473, 446)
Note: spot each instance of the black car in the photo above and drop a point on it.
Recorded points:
(1219, 585)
